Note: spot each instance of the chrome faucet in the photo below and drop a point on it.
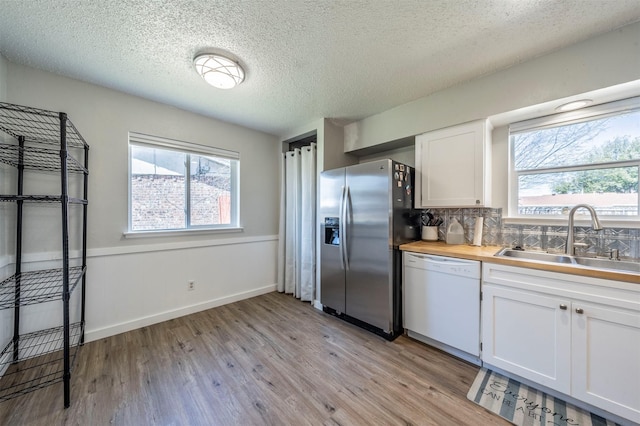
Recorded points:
(595, 224)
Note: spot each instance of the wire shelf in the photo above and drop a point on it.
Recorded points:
(46, 141)
(41, 360)
(37, 125)
(37, 158)
(37, 286)
(40, 199)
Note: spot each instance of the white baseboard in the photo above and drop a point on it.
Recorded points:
(91, 335)
(317, 305)
(5, 261)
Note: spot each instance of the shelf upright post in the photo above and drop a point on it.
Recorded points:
(18, 271)
(84, 237)
(65, 259)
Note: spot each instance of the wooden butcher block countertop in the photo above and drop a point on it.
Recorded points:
(486, 254)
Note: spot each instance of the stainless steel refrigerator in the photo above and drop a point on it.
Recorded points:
(365, 214)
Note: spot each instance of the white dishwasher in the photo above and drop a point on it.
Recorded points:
(441, 298)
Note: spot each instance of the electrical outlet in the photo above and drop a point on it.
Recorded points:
(191, 285)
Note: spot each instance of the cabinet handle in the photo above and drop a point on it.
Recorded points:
(579, 311)
(563, 307)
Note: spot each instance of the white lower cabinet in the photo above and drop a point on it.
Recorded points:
(606, 358)
(576, 335)
(527, 334)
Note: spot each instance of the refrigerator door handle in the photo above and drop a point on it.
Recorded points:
(342, 225)
(345, 227)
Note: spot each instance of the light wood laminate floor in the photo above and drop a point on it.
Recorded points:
(269, 360)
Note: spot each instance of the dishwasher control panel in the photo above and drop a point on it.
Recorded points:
(447, 265)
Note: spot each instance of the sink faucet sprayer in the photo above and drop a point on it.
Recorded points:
(595, 224)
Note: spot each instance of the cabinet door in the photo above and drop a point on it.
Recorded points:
(451, 167)
(527, 334)
(606, 358)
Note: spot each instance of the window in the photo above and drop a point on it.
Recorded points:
(590, 156)
(176, 185)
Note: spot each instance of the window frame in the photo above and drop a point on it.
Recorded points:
(187, 149)
(609, 109)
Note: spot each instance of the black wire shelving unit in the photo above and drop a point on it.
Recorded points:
(43, 141)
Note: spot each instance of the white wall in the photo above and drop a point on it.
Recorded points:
(607, 60)
(134, 282)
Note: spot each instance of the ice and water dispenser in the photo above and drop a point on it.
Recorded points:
(332, 231)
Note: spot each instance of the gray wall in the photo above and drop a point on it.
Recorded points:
(514, 94)
(405, 155)
(599, 62)
(104, 117)
(4, 177)
(135, 282)
(3, 78)
(5, 315)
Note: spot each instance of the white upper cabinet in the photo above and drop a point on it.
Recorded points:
(453, 166)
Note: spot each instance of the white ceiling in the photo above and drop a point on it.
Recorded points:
(305, 59)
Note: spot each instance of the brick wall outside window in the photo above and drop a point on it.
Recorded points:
(158, 202)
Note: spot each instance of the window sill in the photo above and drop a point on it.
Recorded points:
(633, 223)
(180, 232)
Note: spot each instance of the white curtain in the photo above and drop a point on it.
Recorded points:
(297, 262)
(292, 221)
(308, 223)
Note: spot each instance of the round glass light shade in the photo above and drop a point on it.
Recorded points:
(219, 71)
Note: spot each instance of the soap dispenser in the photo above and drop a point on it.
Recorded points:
(455, 232)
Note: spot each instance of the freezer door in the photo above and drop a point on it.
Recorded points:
(332, 276)
(369, 254)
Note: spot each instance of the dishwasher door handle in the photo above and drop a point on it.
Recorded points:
(448, 261)
(439, 260)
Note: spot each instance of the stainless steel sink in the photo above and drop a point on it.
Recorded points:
(535, 255)
(565, 259)
(615, 265)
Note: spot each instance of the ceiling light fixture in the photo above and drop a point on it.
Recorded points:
(574, 105)
(219, 71)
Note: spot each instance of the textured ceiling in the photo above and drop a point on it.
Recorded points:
(304, 60)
